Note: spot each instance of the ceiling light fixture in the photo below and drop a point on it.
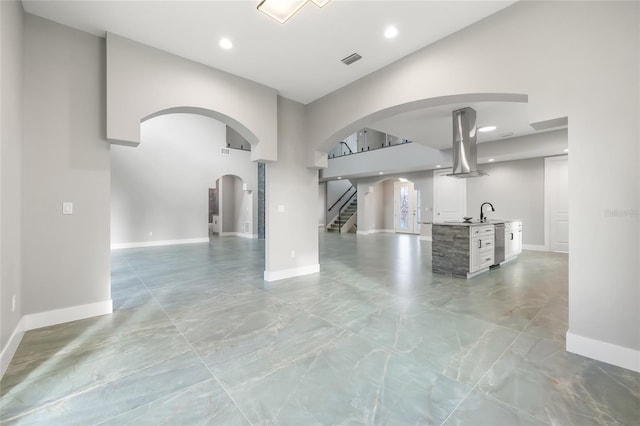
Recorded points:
(380, 173)
(566, 150)
(438, 166)
(339, 177)
(391, 32)
(282, 10)
(491, 160)
(225, 43)
(403, 180)
(487, 129)
(320, 3)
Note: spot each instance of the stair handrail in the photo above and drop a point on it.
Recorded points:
(338, 200)
(349, 201)
(347, 145)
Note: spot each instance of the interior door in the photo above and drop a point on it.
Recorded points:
(557, 202)
(405, 208)
(449, 197)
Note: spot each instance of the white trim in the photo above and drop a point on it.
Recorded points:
(535, 247)
(238, 234)
(72, 313)
(602, 351)
(159, 243)
(376, 231)
(426, 238)
(290, 273)
(12, 345)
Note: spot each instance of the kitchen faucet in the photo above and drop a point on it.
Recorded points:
(482, 217)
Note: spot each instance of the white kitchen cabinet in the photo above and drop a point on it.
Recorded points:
(482, 247)
(512, 239)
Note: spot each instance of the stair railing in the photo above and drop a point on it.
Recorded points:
(346, 203)
(329, 216)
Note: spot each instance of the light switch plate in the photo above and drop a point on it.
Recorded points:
(67, 207)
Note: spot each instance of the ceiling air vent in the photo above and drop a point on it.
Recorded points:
(225, 151)
(351, 59)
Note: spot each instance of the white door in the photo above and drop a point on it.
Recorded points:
(449, 197)
(556, 186)
(405, 208)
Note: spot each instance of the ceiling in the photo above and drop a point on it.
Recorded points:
(434, 126)
(300, 59)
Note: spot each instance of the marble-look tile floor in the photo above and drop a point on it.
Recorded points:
(197, 337)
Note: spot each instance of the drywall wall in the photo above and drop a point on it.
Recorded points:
(65, 159)
(388, 200)
(11, 71)
(291, 242)
(567, 70)
(398, 159)
(322, 203)
(132, 95)
(159, 189)
(516, 191)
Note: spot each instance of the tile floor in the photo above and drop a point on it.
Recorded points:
(197, 337)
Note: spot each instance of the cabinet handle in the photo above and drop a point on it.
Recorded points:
(488, 259)
(512, 236)
(479, 243)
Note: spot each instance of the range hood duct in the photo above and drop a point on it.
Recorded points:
(465, 151)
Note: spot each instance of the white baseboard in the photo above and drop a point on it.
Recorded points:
(602, 351)
(12, 345)
(73, 313)
(238, 234)
(376, 231)
(45, 319)
(159, 243)
(534, 247)
(290, 273)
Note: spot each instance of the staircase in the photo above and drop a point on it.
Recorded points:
(344, 216)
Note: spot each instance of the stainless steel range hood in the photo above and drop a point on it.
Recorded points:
(465, 144)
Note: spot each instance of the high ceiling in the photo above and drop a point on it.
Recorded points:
(300, 59)
(434, 126)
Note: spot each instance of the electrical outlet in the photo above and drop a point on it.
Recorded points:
(13, 303)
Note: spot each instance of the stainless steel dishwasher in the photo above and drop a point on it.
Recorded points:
(499, 245)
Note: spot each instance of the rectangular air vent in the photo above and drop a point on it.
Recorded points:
(225, 151)
(351, 59)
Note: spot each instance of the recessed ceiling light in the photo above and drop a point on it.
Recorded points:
(403, 180)
(491, 160)
(438, 166)
(225, 43)
(566, 150)
(380, 173)
(391, 32)
(339, 177)
(487, 129)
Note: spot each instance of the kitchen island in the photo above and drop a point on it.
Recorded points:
(465, 250)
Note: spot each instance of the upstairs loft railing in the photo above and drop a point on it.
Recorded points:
(368, 148)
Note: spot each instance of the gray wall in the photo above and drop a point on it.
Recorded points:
(322, 203)
(162, 185)
(228, 203)
(292, 185)
(65, 158)
(11, 62)
(250, 108)
(516, 190)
